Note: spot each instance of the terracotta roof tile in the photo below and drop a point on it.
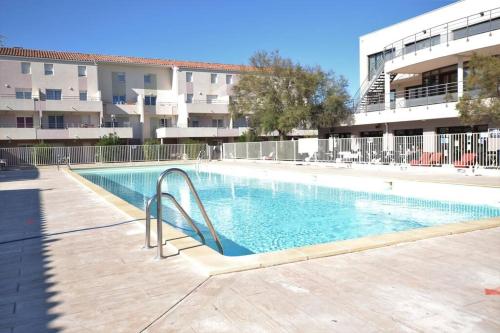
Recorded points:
(98, 58)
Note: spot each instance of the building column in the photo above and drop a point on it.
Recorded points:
(387, 91)
(460, 77)
(140, 111)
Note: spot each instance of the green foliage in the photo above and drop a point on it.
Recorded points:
(151, 147)
(280, 95)
(42, 153)
(249, 136)
(481, 99)
(109, 140)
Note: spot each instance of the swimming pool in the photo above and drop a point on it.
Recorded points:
(258, 215)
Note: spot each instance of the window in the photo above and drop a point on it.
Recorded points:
(56, 122)
(229, 79)
(53, 94)
(189, 76)
(211, 99)
(218, 123)
(82, 70)
(150, 100)
(165, 123)
(214, 78)
(409, 132)
(83, 95)
(120, 77)
(147, 79)
(49, 69)
(189, 98)
(119, 99)
(26, 68)
(195, 123)
(24, 122)
(23, 93)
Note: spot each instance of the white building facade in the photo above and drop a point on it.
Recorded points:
(68, 98)
(412, 73)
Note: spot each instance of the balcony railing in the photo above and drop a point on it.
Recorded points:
(41, 98)
(208, 101)
(445, 33)
(46, 125)
(437, 94)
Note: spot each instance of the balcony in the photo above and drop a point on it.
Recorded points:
(66, 103)
(444, 42)
(197, 132)
(161, 108)
(73, 103)
(10, 102)
(63, 132)
(208, 107)
(431, 102)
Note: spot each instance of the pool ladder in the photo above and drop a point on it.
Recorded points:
(159, 213)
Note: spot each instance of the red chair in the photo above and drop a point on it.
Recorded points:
(466, 161)
(424, 160)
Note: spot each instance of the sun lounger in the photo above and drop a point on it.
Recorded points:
(436, 159)
(425, 160)
(466, 161)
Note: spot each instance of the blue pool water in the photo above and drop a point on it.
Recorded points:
(254, 215)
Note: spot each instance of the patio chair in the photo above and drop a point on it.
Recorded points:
(466, 161)
(269, 157)
(423, 161)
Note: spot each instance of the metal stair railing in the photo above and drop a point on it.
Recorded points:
(365, 87)
(150, 201)
(159, 212)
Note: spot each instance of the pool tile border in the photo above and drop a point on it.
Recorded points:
(211, 262)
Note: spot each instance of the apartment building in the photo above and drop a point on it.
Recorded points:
(69, 98)
(412, 73)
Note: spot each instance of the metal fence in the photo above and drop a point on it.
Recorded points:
(36, 156)
(460, 150)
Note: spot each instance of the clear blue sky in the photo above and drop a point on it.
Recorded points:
(313, 32)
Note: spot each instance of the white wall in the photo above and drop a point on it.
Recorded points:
(376, 41)
(65, 77)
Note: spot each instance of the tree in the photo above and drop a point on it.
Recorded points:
(481, 99)
(109, 140)
(280, 95)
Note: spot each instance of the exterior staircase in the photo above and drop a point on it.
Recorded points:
(371, 91)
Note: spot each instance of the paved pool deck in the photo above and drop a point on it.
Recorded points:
(72, 262)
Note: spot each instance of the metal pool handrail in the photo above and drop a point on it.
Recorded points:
(150, 201)
(159, 195)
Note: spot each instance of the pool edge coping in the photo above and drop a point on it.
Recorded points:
(213, 263)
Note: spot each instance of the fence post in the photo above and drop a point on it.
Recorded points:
(234, 150)
(294, 152)
(158, 152)
(260, 151)
(276, 151)
(247, 149)
(130, 153)
(35, 153)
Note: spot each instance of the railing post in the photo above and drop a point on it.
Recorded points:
(276, 151)
(467, 29)
(158, 152)
(130, 153)
(35, 155)
(430, 39)
(247, 149)
(260, 151)
(447, 35)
